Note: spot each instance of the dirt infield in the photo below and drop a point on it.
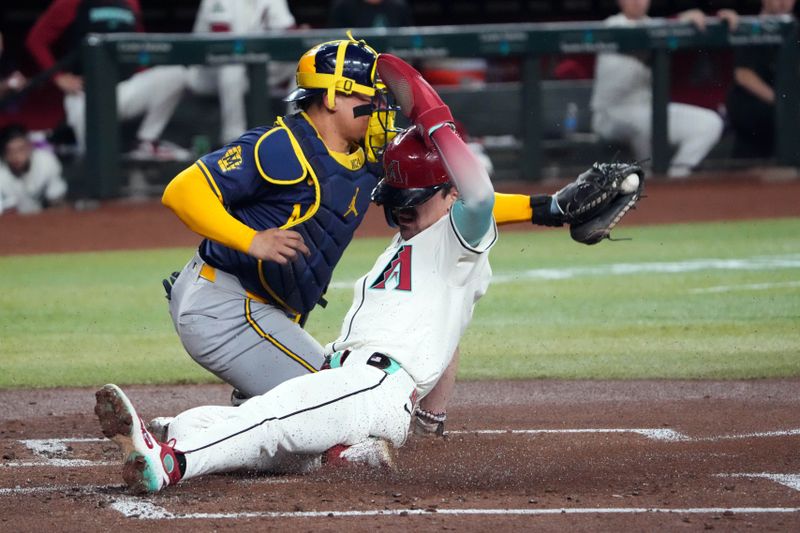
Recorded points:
(127, 224)
(553, 456)
(566, 456)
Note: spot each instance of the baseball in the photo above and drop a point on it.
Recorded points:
(629, 184)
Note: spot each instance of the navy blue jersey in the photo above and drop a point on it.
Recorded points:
(285, 177)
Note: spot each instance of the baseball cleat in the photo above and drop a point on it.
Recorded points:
(149, 464)
(373, 452)
(418, 100)
(238, 397)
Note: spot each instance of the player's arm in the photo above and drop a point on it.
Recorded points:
(754, 84)
(431, 414)
(191, 197)
(49, 27)
(472, 211)
(200, 206)
(539, 209)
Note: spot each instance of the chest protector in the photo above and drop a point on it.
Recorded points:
(327, 226)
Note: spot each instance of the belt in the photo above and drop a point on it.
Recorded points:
(209, 273)
(377, 359)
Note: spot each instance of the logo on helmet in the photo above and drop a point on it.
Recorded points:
(393, 174)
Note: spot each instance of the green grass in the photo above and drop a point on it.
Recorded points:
(89, 318)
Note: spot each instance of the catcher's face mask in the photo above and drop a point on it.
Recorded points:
(382, 128)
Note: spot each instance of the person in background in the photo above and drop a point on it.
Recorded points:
(751, 100)
(622, 99)
(230, 81)
(55, 41)
(12, 82)
(30, 177)
(369, 14)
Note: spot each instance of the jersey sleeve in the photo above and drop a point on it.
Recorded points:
(239, 170)
(457, 257)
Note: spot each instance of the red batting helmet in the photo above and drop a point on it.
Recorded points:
(413, 173)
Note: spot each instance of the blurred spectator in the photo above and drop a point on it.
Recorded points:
(751, 101)
(55, 41)
(369, 14)
(30, 177)
(12, 82)
(230, 81)
(622, 99)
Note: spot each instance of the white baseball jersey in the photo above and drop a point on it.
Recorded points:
(425, 287)
(242, 16)
(412, 306)
(42, 181)
(621, 79)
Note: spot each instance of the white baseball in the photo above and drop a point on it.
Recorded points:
(629, 184)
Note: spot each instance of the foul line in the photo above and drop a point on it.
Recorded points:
(144, 510)
(83, 489)
(659, 434)
(43, 448)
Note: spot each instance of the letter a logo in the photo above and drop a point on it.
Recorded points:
(397, 272)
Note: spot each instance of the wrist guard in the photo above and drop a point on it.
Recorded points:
(542, 216)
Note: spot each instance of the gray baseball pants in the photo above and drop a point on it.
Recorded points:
(251, 345)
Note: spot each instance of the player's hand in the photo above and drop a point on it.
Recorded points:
(694, 16)
(69, 83)
(730, 16)
(278, 245)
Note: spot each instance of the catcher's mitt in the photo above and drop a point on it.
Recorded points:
(592, 204)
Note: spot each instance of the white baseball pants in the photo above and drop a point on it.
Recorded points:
(692, 130)
(305, 415)
(154, 93)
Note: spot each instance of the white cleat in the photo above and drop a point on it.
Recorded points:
(149, 464)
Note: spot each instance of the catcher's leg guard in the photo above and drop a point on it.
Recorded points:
(418, 100)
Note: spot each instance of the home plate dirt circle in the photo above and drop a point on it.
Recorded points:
(591, 455)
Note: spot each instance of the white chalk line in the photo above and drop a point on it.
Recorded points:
(58, 463)
(657, 434)
(46, 447)
(772, 262)
(755, 435)
(144, 510)
(83, 489)
(746, 287)
(788, 480)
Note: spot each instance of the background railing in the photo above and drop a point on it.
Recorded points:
(105, 54)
